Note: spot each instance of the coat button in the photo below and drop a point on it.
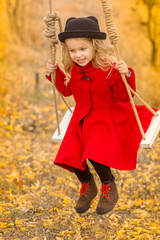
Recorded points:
(87, 78)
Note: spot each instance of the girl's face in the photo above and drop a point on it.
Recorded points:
(81, 50)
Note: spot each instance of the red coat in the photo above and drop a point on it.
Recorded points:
(103, 126)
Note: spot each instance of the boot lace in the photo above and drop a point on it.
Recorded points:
(105, 191)
(84, 189)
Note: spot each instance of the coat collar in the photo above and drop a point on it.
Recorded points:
(86, 69)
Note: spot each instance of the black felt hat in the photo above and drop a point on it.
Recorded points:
(82, 28)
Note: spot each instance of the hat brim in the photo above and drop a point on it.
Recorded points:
(83, 34)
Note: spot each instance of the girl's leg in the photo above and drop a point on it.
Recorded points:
(109, 194)
(83, 176)
(104, 172)
(88, 189)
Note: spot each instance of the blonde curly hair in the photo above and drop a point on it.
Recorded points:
(103, 56)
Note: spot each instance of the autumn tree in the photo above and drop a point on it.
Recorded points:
(22, 19)
(13, 15)
(152, 23)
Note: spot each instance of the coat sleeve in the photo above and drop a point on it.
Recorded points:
(118, 87)
(60, 79)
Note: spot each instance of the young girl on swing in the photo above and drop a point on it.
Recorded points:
(103, 128)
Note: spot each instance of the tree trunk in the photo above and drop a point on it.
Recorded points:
(151, 36)
(154, 53)
(15, 17)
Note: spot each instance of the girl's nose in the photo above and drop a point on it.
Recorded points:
(78, 54)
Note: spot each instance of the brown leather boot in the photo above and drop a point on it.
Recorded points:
(108, 197)
(87, 193)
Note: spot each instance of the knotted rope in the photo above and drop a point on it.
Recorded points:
(50, 33)
(111, 26)
(114, 37)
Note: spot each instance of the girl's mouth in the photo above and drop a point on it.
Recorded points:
(80, 61)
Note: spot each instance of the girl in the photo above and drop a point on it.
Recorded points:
(103, 128)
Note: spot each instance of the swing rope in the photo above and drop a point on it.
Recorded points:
(114, 37)
(50, 33)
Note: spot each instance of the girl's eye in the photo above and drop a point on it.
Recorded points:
(71, 50)
(82, 49)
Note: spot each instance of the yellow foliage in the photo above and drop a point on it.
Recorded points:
(136, 221)
(63, 106)
(10, 225)
(8, 135)
(18, 222)
(13, 175)
(2, 225)
(67, 200)
(1, 210)
(138, 202)
(140, 211)
(80, 219)
(57, 209)
(23, 229)
(121, 232)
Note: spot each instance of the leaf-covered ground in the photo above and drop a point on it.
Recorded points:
(37, 198)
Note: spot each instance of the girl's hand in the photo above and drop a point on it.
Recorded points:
(51, 67)
(122, 67)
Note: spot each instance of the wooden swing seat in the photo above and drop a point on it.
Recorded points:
(150, 135)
